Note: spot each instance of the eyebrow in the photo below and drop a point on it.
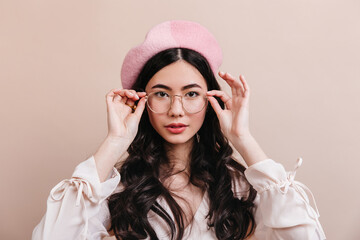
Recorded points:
(183, 88)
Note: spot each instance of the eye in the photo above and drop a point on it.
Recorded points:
(192, 94)
(161, 94)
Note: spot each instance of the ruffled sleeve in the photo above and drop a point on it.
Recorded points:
(76, 207)
(283, 208)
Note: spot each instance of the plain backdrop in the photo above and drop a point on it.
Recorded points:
(58, 59)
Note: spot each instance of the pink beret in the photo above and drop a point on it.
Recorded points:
(171, 34)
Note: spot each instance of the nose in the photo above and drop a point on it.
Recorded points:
(176, 107)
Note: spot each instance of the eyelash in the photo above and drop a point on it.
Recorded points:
(193, 92)
(164, 94)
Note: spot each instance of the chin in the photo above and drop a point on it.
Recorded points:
(175, 140)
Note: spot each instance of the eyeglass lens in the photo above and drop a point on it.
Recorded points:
(161, 102)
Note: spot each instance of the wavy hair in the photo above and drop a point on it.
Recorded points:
(212, 169)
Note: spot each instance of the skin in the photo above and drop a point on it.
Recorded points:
(172, 79)
(123, 124)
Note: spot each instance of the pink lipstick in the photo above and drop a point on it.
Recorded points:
(176, 127)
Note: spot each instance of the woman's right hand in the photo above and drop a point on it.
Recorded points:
(122, 120)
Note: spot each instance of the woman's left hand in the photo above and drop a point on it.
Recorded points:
(234, 119)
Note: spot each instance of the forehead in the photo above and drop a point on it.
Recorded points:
(177, 75)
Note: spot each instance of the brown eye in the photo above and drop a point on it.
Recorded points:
(161, 94)
(192, 94)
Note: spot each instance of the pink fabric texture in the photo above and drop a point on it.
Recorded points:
(171, 34)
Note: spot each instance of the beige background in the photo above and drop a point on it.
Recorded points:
(58, 59)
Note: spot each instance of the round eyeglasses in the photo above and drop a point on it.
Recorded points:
(160, 102)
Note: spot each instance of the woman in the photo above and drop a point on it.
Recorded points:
(179, 180)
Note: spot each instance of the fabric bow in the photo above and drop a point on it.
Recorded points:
(83, 187)
(302, 189)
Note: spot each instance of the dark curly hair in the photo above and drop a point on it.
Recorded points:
(212, 169)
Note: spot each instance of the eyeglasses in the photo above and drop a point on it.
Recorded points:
(160, 102)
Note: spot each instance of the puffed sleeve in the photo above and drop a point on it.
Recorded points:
(283, 209)
(77, 207)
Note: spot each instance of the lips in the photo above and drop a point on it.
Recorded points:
(176, 127)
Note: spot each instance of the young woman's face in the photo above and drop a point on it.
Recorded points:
(176, 125)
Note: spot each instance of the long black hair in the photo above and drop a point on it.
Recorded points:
(212, 169)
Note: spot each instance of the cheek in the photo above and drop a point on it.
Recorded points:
(151, 118)
(199, 119)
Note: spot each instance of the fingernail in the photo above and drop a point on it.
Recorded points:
(222, 73)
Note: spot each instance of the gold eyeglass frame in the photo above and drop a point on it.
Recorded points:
(172, 101)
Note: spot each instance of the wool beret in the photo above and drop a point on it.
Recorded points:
(170, 34)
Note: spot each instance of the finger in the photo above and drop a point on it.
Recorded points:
(130, 102)
(128, 93)
(118, 98)
(141, 94)
(140, 107)
(239, 88)
(133, 93)
(124, 94)
(223, 96)
(246, 86)
(236, 86)
(131, 96)
(113, 95)
(215, 105)
(137, 95)
(229, 81)
(114, 91)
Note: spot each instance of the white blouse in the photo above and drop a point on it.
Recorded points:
(77, 208)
